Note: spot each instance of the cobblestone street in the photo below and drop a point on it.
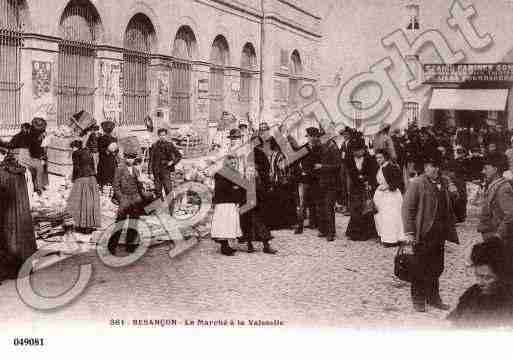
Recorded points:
(310, 282)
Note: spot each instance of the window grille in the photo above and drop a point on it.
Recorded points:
(11, 41)
(76, 60)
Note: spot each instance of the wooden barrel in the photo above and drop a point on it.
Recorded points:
(59, 157)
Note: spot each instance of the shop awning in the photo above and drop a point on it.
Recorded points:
(466, 99)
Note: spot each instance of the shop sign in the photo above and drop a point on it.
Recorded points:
(457, 73)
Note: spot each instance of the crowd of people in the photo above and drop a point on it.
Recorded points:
(406, 189)
(97, 164)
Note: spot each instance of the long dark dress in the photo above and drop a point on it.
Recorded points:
(361, 227)
(279, 205)
(16, 226)
(252, 222)
(107, 160)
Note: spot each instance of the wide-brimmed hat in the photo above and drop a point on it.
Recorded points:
(39, 124)
(108, 126)
(313, 132)
(234, 134)
(496, 160)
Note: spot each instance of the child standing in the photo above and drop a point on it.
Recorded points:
(227, 200)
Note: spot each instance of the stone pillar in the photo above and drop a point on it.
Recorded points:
(200, 99)
(39, 69)
(160, 91)
(232, 92)
(108, 98)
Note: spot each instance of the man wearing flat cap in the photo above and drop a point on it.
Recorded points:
(429, 222)
(164, 156)
(496, 218)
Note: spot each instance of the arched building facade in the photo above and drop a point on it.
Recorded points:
(181, 62)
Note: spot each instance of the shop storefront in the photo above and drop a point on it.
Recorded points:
(470, 95)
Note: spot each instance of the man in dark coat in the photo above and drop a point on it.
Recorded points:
(163, 158)
(429, 221)
(496, 217)
(128, 193)
(326, 170)
(362, 170)
(456, 172)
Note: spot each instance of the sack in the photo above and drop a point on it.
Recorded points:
(369, 207)
(405, 265)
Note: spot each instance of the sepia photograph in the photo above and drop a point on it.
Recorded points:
(260, 174)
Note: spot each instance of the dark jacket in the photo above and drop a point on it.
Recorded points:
(497, 210)
(35, 148)
(83, 164)
(394, 177)
(226, 191)
(330, 160)
(92, 143)
(127, 189)
(476, 309)
(367, 174)
(20, 140)
(161, 153)
(420, 205)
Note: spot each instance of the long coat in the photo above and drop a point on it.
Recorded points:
(497, 210)
(420, 205)
(16, 227)
(107, 160)
(330, 160)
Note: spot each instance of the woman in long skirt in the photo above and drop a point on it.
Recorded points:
(16, 227)
(388, 199)
(226, 218)
(84, 199)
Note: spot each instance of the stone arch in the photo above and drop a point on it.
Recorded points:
(198, 50)
(141, 8)
(248, 57)
(14, 14)
(140, 34)
(220, 51)
(80, 21)
(185, 44)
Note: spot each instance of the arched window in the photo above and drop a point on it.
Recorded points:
(218, 59)
(295, 71)
(183, 48)
(10, 45)
(79, 27)
(137, 44)
(248, 62)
